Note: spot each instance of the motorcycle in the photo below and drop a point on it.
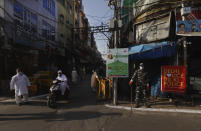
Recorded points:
(55, 93)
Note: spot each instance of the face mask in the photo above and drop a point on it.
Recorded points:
(20, 73)
(141, 67)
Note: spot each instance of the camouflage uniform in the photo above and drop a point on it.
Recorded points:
(139, 76)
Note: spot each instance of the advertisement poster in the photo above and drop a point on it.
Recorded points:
(192, 24)
(117, 62)
(173, 79)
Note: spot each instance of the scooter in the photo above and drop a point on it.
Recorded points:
(54, 92)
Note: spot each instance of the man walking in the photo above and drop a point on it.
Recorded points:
(19, 83)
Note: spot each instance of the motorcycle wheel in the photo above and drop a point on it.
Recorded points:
(51, 103)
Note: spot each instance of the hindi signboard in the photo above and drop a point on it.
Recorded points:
(173, 79)
(117, 62)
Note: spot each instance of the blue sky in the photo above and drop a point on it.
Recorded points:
(97, 11)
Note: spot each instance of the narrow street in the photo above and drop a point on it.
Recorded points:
(83, 113)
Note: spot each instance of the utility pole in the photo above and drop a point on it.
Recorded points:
(184, 41)
(115, 80)
(117, 7)
(185, 47)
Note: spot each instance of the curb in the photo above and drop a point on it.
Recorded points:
(156, 109)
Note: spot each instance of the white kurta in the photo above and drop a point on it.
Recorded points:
(20, 82)
(93, 81)
(64, 84)
(74, 76)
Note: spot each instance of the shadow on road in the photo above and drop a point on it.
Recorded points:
(55, 116)
(31, 103)
(80, 96)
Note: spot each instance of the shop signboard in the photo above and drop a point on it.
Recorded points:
(173, 79)
(154, 30)
(192, 24)
(117, 62)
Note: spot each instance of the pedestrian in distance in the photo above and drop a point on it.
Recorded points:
(94, 77)
(20, 84)
(139, 75)
(74, 75)
(83, 73)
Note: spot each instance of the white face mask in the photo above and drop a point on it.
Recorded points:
(141, 67)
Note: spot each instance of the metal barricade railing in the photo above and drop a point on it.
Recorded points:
(104, 88)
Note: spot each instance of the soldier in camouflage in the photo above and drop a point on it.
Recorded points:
(139, 75)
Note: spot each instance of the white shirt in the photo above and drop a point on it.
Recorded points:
(19, 82)
(64, 83)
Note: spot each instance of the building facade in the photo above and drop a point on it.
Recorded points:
(171, 25)
(29, 28)
(65, 22)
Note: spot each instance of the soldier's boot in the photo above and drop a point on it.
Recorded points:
(137, 103)
(146, 105)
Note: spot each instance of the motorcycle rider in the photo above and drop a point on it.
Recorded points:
(140, 75)
(64, 81)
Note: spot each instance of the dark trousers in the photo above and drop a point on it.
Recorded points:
(140, 90)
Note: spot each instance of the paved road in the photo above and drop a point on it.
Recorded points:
(83, 113)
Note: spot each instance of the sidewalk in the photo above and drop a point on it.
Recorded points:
(162, 105)
(2, 98)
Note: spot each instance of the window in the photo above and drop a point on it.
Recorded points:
(70, 10)
(62, 2)
(61, 18)
(45, 4)
(44, 29)
(52, 35)
(48, 31)
(62, 37)
(34, 23)
(34, 19)
(25, 18)
(53, 8)
(67, 24)
(49, 5)
(18, 10)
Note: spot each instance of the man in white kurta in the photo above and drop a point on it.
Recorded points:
(74, 75)
(94, 76)
(64, 83)
(20, 83)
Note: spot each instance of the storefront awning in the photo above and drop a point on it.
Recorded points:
(37, 45)
(152, 51)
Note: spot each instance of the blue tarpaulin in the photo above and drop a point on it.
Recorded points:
(152, 51)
